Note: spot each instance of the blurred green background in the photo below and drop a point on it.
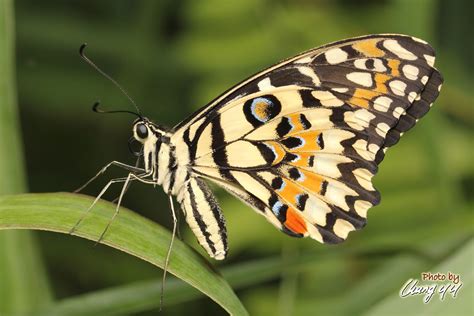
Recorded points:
(175, 56)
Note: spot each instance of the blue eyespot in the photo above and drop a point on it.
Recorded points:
(261, 109)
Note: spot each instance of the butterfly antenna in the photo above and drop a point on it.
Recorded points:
(93, 65)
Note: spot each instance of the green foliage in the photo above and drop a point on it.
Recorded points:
(174, 57)
(130, 233)
(23, 284)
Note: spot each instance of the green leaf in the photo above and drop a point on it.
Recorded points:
(130, 233)
(23, 283)
(145, 295)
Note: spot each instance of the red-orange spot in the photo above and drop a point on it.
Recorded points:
(294, 222)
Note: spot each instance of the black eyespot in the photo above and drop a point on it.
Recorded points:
(142, 131)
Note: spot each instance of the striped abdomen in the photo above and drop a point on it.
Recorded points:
(205, 218)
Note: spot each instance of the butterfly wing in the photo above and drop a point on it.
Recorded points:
(301, 140)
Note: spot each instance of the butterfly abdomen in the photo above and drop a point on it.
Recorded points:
(204, 217)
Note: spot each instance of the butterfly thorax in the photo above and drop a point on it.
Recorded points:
(159, 156)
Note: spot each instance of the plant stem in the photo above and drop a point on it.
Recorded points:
(23, 286)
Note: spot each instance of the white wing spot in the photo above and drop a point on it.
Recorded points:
(430, 60)
(364, 178)
(340, 90)
(382, 129)
(398, 111)
(352, 121)
(360, 63)
(364, 116)
(416, 39)
(398, 87)
(359, 119)
(410, 71)
(337, 192)
(265, 84)
(360, 146)
(412, 96)
(304, 60)
(382, 103)
(439, 87)
(374, 148)
(327, 98)
(342, 228)
(309, 72)
(361, 78)
(378, 65)
(335, 56)
(424, 79)
(394, 47)
(361, 207)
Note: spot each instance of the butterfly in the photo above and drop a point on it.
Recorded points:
(299, 141)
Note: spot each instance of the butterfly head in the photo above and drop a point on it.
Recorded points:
(151, 136)
(141, 130)
(145, 131)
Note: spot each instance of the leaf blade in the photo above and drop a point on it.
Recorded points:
(130, 233)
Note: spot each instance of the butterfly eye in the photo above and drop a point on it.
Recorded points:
(142, 131)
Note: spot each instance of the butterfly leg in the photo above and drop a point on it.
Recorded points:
(136, 165)
(102, 192)
(113, 163)
(106, 187)
(130, 177)
(165, 269)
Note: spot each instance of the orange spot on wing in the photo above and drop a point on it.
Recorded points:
(289, 192)
(394, 64)
(312, 181)
(277, 149)
(295, 121)
(361, 97)
(310, 141)
(369, 48)
(261, 110)
(294, 222)
(303, 161)
(380, 80)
